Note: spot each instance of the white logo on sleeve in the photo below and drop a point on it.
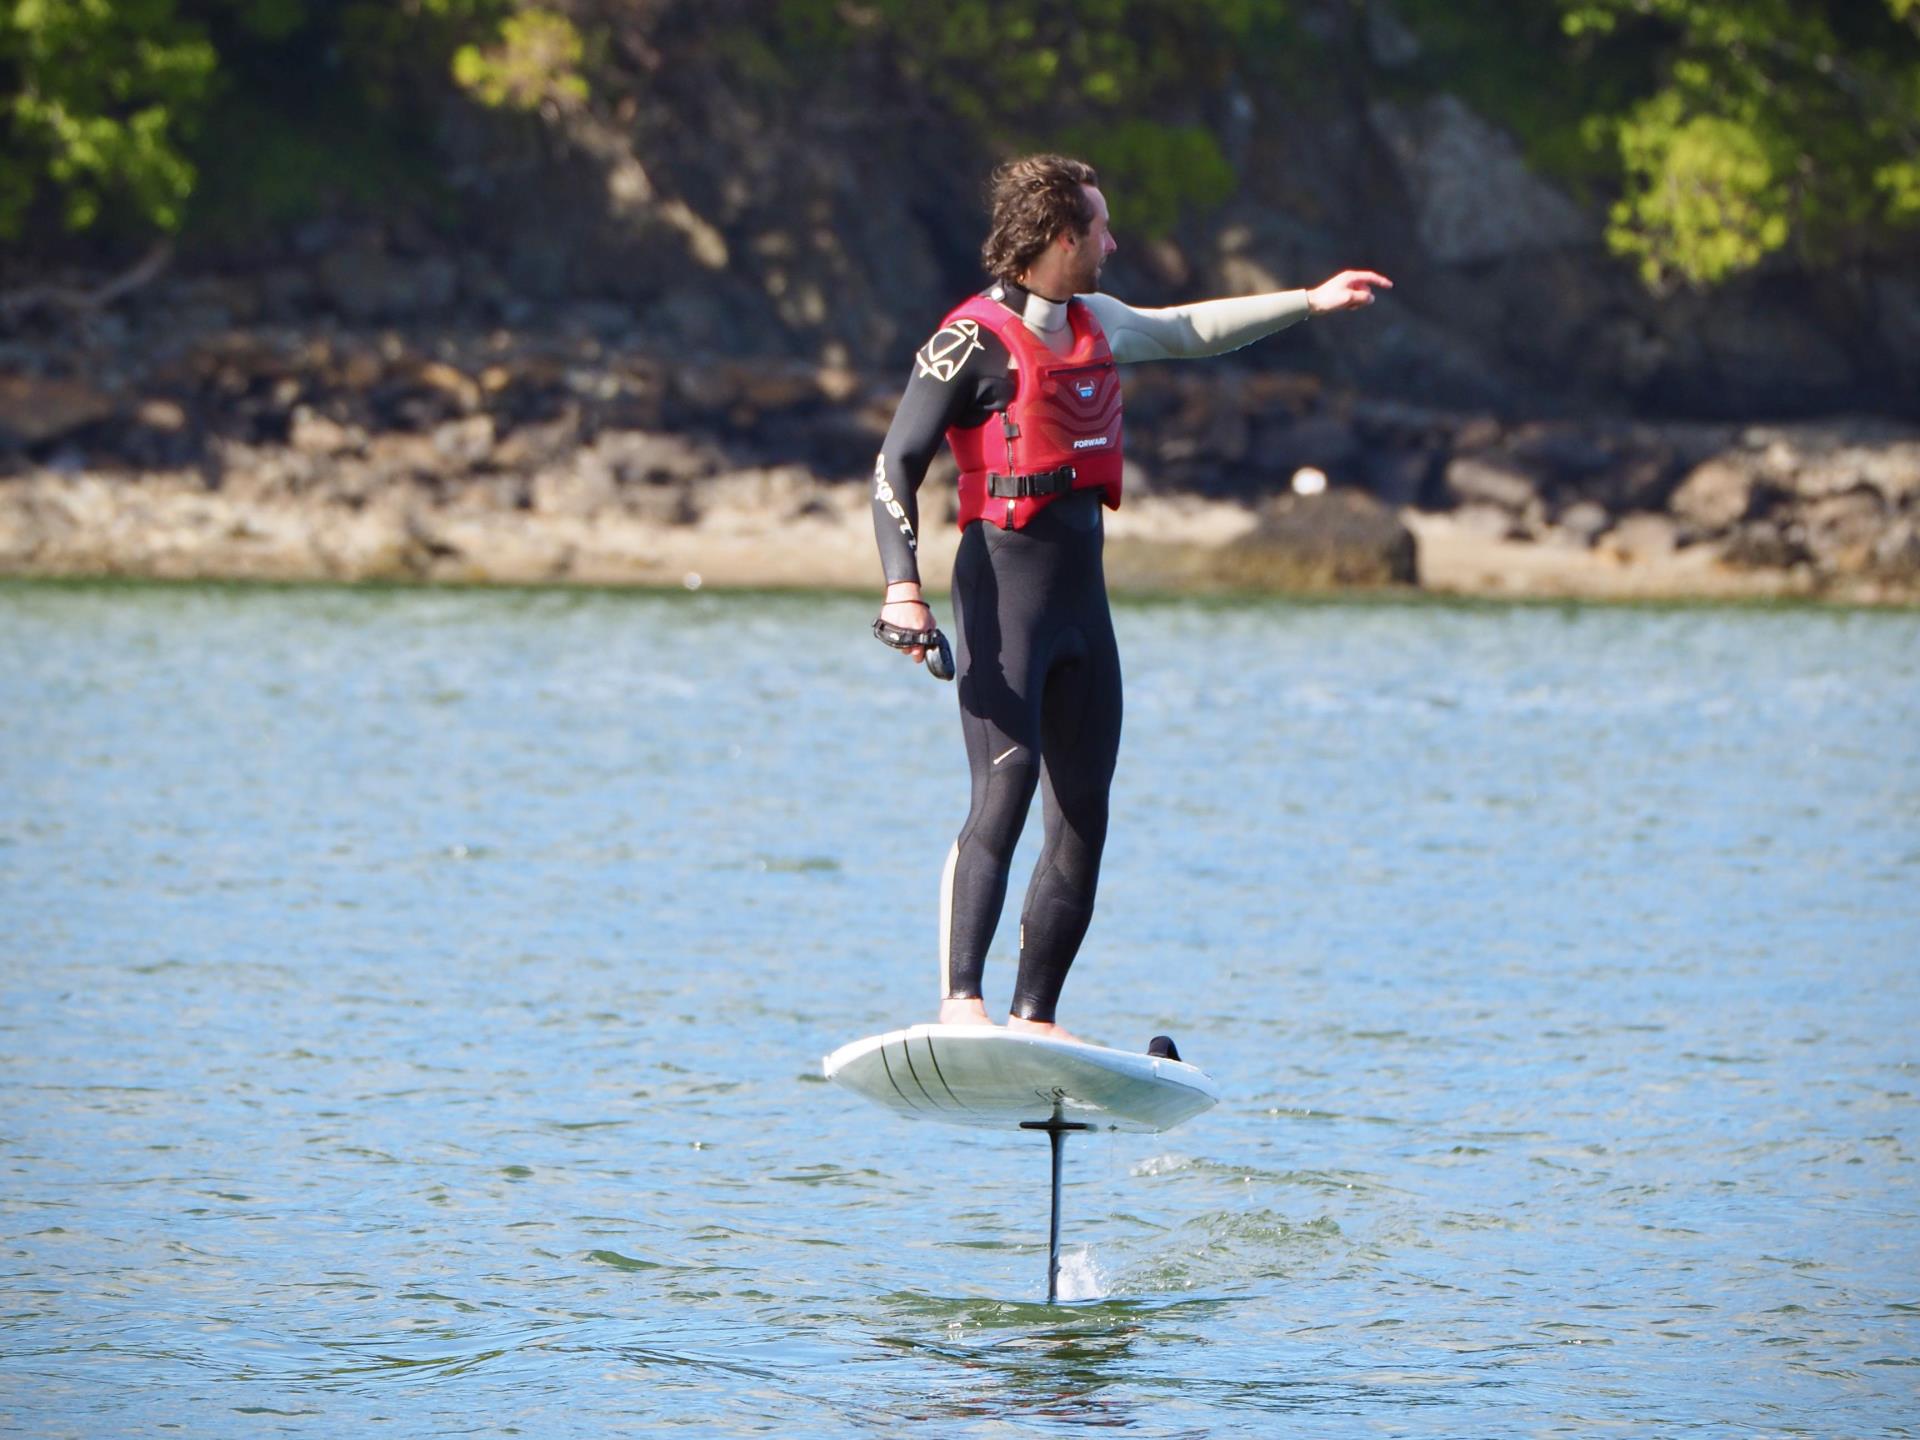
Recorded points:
(883, 493)
(943, 355)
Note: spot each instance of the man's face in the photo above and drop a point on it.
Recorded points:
(1090, 250)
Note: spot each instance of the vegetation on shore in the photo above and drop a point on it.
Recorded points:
(1718, 132)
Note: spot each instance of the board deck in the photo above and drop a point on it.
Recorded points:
(985, 1077)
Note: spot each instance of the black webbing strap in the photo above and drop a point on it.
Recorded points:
(939, 653)
(1024, 487)
(901, 638)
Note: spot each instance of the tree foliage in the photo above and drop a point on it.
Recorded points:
(1717, 132)
(1771, 121)
(536, 61)
(1125, 84)
(103, 94)
(109, 106)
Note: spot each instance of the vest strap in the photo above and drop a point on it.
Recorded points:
(1023, 487)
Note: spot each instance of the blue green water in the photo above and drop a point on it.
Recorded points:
(411, 1006)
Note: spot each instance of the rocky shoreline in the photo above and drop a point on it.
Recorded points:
(568, 455)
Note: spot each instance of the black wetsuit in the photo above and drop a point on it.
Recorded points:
(1038, 677)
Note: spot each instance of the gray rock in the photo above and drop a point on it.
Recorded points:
(367, 284)
(1476, 433)
(1564, 454)
(1400, 477)
(1341, 537)
(240, 296)
(603, 318)
(538, 264)
(1582, 523)
(582, 488)
(1896, 301)
(1643, 535)
(1716, 495)
(481, 283)
(1843, 530)
(1324, 441)
(1394, 350)
(466, 442)
(640, 457)
(35, 409)
(1629, 352)
(285, 293)
(311, 433)
(1474, 197)
(1485, 480)
(541, 442)
(1892, 469)
(1896, 554)
(1773, 351)
(1489, 522)
(1390, 43)
(1763, 545)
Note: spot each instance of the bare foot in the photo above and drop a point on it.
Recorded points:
(1045, 1029)
(969, 1010)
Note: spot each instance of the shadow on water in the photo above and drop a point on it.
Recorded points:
(1084, 1363)
(1137, 1364)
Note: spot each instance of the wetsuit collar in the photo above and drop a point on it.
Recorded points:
(1042, 316)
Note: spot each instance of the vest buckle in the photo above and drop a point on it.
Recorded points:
(1026, 487)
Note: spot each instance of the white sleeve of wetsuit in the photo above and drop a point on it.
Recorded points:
(1189, 332)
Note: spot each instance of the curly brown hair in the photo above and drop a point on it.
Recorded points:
(1034, 199)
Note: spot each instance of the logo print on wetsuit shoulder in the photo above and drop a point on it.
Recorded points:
(943, 355)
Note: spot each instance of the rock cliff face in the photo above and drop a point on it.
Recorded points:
(838, 220)
(712, 209)
(566, 458)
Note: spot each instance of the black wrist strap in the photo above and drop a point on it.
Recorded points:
(939, 652)
(901, 638)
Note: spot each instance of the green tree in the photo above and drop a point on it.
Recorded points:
(105, 103)
(101, 96)
(1120, 83)
(1774, 121)
(1718, 132)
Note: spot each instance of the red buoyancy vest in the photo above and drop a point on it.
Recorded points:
(1065, 411)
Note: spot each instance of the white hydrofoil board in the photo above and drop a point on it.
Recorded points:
(984, 1076)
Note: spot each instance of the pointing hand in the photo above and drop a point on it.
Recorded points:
(1348, 290)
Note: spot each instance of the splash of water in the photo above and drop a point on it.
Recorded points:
(1081, 1277)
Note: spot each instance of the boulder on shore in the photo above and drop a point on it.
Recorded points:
(1341, 539)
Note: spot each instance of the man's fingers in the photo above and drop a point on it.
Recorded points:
(1351, 289)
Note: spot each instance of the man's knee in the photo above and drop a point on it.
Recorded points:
(1000, 806)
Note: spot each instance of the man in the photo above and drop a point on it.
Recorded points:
(1021, 381)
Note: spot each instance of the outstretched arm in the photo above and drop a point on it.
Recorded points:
(1214, 327)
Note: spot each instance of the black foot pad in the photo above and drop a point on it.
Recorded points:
(1161, 1047)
